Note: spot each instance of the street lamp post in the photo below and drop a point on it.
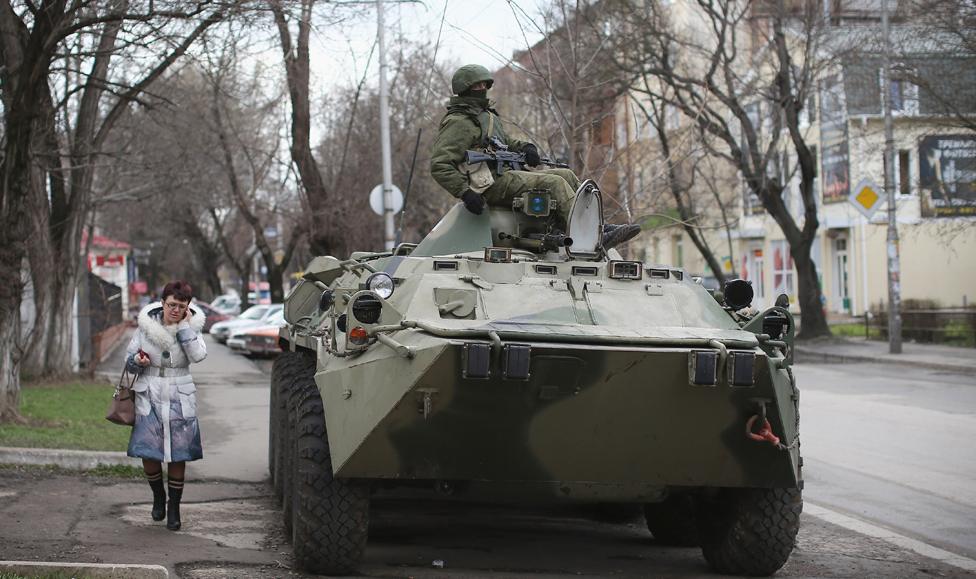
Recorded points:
(894, 273)
(388, 229)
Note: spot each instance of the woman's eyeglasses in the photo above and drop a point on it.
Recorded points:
(176, 306)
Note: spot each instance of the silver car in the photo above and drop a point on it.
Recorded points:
(252, 317)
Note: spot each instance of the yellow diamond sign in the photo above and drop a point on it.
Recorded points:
(866, 197)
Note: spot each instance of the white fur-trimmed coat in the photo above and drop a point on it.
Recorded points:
(166, 426)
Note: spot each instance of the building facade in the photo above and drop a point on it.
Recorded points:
(934, 182)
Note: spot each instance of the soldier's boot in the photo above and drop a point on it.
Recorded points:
(159, 495)
(173, 522)
(614, 235)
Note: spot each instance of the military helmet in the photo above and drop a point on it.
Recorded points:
(468, 75)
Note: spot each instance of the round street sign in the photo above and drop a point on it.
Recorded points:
(376, 199)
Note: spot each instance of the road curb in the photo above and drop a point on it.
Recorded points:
(69, 459)
(808, 356)
(99, 570)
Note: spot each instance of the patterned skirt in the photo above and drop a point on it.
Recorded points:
(150, 434)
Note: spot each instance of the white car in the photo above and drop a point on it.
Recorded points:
(229, 304)
(252, 317)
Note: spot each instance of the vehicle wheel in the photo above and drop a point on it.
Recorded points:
(273, 419)
(749, 531)
(672, 521)
(303, 382)
(331, 516)
(287, 368)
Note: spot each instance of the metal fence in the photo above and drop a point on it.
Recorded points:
(104, 304)
(955, 327)
(99, 318)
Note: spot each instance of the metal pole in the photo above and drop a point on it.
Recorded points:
(385, 134)
(894, 273)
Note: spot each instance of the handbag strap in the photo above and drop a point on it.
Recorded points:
(122, 380)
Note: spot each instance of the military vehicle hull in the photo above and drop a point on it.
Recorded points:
(563, 424)
(544, 374)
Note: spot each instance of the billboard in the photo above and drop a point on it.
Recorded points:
(947, 175)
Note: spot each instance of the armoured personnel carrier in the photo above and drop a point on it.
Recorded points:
(498, 359)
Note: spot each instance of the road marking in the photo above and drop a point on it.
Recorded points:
(890, 536)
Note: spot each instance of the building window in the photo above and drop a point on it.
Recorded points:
(782, 268)
(808, 114)
(678, 251)
(902, 92)
(904, 173)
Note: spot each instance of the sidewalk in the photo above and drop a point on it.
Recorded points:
(233, 396)
(860, 350)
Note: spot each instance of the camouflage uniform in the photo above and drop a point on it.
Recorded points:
(465, 127)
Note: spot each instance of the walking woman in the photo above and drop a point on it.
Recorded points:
(166, 429)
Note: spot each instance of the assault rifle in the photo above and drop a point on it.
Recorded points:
(503, 158)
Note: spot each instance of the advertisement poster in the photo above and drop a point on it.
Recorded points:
(835, 160)
(947, 175)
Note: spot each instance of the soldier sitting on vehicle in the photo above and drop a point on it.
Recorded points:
(471, 124)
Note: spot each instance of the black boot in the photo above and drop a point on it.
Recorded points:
(614, 235)
(173, 522)
(159, 496)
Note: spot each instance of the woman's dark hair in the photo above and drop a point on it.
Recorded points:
(179, 289)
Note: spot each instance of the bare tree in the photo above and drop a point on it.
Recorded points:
(89, 42)
(681, 172)
(245, 123)
(561, 90)
(323, 221)
(744, 53)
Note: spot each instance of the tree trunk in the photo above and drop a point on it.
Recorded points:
(245, 272)
(322, 238)
(15, 176)
(813, 319)
(9, 363)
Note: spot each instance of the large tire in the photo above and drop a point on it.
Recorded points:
(331, 516)
(749, 531)
(286, 370)
(673, 521)
(303, 383)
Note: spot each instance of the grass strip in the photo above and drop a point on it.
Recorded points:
(67, 415)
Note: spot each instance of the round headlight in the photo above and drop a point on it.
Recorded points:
(381, 283)
(367, 309)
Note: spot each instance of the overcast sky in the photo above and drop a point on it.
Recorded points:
(474, 31)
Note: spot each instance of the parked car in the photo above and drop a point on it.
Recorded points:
(260, 340)
(229, 304)
(213, 315)
(252, 317)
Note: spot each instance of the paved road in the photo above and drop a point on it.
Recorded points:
(883, 446)
(894, 446)
(233, 395)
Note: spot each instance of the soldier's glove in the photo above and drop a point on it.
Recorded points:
(473, 202)
(532, 158)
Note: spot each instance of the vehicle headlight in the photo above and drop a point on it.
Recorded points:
(367, 309)
(381, 283)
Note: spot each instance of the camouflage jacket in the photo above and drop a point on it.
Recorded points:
(464, 128)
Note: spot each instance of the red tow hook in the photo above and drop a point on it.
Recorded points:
(765, 433)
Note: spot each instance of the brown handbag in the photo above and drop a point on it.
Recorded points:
(122, 410)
